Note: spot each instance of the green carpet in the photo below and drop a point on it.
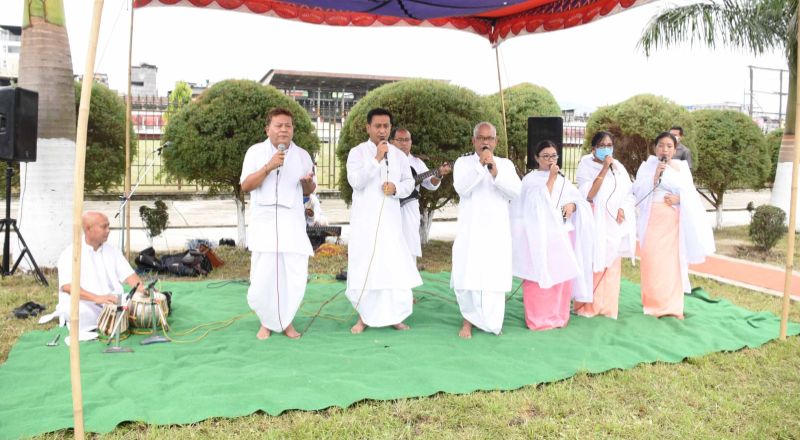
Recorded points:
(229, 373)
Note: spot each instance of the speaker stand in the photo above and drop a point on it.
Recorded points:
(6, 225)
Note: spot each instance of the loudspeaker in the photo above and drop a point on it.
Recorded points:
(544, 128)
(19, 121)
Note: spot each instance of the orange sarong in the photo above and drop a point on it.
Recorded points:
(606, 293)
(662, 289)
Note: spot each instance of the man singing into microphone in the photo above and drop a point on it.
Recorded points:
(277, 174)
(380, 269)
(482, 250)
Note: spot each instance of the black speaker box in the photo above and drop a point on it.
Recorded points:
(544, 128)
(19, 119)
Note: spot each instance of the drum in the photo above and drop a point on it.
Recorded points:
(106, 322)
(141, 311)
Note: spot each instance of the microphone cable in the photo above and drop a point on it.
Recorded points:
(277, 258)
(374, 241)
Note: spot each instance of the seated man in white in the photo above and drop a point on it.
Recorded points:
(103, 270)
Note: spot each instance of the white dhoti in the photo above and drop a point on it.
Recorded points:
(88, 313)
(382, 307)
(276, 310)
(483, 309)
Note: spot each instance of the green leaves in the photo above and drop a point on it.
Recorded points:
(105, 143)
(212, 134)
(440, 117)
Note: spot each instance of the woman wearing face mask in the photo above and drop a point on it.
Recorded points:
(672, 228)
(606, 185)
(551, 230)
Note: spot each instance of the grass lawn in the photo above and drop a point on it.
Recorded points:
(735, 242)
(746, 394)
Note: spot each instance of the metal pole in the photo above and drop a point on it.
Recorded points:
(751, 92)
(503, 103)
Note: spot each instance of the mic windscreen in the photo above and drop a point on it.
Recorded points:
(663, 159)
(281, 147)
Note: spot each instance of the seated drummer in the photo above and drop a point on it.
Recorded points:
(103, 270)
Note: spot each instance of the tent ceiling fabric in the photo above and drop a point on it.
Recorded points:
(496, 20)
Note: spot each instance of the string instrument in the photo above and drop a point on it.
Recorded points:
(329, 230)
(419, 178)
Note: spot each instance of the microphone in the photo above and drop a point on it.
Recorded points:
(559, 172)
(281, 148)
(385, 155)
(151, 285)
(662, 159)
(488, 165)
(166, 144)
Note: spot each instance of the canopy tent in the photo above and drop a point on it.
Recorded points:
(497, 20)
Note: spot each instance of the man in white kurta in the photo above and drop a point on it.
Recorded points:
(380, 272)
(103, 270)
(482, 250)
(409, 207)
(277, 174)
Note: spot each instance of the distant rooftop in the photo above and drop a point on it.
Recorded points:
(295, 79)
(16, 30)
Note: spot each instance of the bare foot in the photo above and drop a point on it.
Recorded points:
(401, 326)
(466, 330)
(263, 333)
(359, 327)
(291, 333)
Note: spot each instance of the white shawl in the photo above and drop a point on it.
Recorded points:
(542, 250)
(696, 236)
(612, 240)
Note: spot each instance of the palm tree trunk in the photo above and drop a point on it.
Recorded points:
(781, 189)
(46, 67)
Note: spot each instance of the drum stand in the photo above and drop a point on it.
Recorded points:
(118, 317)
(156, 338)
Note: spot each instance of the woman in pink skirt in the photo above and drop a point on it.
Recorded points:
(605, 183)
(551, 227)
(672, 228)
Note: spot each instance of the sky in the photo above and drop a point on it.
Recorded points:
(584, 67)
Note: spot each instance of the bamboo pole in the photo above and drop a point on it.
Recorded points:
(77, 209)
(502, 102)
(787, 281)
(127, 189)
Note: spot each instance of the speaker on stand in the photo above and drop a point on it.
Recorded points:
(19, 114)
(545, 128)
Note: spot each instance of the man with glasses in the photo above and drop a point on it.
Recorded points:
(409, 206)
(482, 250)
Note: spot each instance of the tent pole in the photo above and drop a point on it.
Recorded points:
(77, 209)
(127, 189)
(787, 282)
(502, 103)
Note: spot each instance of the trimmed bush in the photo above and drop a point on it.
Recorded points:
(634, 124)
(767, 226)
(523, 101)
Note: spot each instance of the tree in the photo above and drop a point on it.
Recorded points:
(105, 141)
(211, 135)
(774, 142)
(733, 154)
(45, 66)
(634, 123)
(754, 25)
(523, 101)
(440, 118)
(178, 98)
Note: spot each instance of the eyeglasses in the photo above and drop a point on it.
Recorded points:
(549, 156)
(485, 138)
(402, 139)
